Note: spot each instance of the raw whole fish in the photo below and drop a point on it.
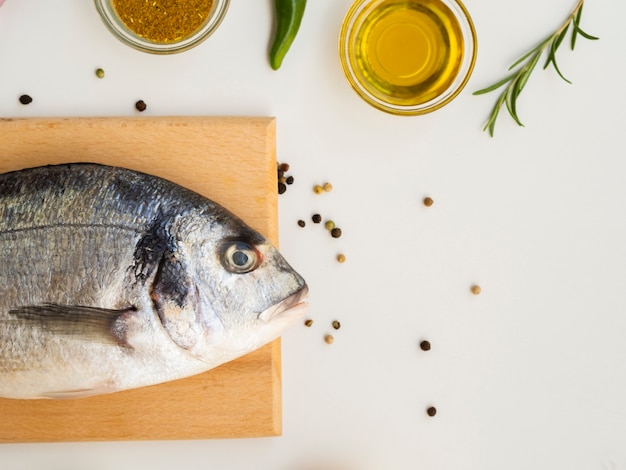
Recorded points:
(112, 279)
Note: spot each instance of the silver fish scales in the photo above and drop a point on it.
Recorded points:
(112, 279)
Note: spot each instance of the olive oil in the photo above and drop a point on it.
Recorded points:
(407, 52)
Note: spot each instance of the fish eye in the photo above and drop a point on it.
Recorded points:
(240, 257)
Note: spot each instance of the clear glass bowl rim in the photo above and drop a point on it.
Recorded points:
(117, 27)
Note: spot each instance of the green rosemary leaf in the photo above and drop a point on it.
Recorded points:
(548, 59)
(552, 59)
(585, 35)
(576, 23)
(491, 123)
(554, 45)
(518, 85)
(511, 101)
(574, 36)
(540, 46)
(559, 38)
(577, 16)
(556, 67)
(525, 75)
(495, 86)
(512, 93)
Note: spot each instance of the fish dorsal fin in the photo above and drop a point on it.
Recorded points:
(176, 300)
(88, 323)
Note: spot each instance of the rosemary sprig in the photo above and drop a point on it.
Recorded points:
(526, 64)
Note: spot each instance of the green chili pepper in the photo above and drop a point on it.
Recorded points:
(288, 18)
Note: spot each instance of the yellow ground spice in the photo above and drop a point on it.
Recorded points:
(163, 21)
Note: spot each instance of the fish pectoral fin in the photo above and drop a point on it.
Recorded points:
(175, 299)
(88, 323)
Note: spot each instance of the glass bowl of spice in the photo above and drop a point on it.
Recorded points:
(407, 57)
(162, 26)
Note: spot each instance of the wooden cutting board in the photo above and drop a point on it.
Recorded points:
(231, 160)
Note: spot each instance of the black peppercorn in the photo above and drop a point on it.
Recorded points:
(431, 411)
(425, 345)
(282, 188)
(141, 106)
(336, 232)
(316, 218)
(26, 99)
(289, 180)
(301, 223)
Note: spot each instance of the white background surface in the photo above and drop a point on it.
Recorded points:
(529, 374)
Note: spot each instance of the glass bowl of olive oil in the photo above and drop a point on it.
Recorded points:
(407, 57)
(162, 26)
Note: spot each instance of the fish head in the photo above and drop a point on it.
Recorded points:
(241, 292)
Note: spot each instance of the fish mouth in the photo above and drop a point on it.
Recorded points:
(293, 307)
